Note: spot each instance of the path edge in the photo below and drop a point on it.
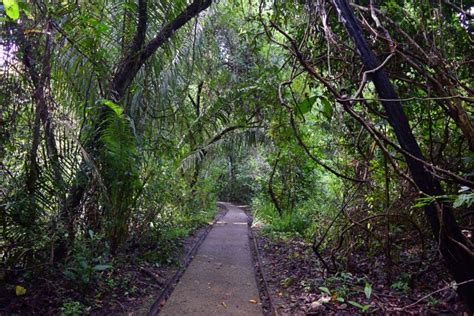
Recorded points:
(262, 284)
(171, 284)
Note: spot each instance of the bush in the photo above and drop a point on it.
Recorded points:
(296, 222)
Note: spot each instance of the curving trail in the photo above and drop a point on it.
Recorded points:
(220, 280)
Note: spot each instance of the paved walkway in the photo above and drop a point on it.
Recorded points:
(220, 280)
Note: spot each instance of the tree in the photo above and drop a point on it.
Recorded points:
(127, 67)
(453, 246)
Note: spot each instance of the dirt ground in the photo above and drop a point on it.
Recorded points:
(299, 286)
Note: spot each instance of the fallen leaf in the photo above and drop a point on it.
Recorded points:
(342, 306)
(315, 305)
(20, 290)
(325, 298)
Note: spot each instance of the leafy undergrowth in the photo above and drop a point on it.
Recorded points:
(128, 282)
(118, 290)
(299, 286)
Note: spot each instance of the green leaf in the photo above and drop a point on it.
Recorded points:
(325, 290)
(368, 290)
(464, 199)
(355, 304)
(85, 278)
(114, 106)
(364, 308)
(422, 202)
(327, 108)
(25, 8)
(306, 105)
(459, 201)
(70, 274)
(101, 267)
(12, 9)
(83, 264)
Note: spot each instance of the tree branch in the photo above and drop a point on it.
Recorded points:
(130, 64)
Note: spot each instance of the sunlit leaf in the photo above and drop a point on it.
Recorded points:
(20, 290)
(324, 289)
(113, 106)
(12, 9)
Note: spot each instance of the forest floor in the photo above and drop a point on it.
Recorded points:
(220, 280)
(298, 285)
(130, 288)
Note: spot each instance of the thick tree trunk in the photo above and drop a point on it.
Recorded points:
(454, 248)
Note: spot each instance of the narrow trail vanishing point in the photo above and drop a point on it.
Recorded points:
(220, 280)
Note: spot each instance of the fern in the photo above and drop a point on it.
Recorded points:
(119, 171)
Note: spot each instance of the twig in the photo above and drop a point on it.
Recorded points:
(453, 285)
(271, 192)
(462, 97)
(152, 275)
(364, 76)
(315, 159)
(378, 137)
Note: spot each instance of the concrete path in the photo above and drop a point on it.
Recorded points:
(220, 280)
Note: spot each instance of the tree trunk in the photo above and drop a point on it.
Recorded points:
(453, 246)
(463, 120)
(40, 80)
(271, 192)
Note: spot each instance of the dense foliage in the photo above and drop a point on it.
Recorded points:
(122, 122)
